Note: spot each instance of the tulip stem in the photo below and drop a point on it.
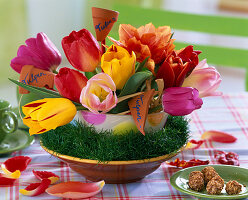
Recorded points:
(159, 107)
(103, 46)
(80, 108)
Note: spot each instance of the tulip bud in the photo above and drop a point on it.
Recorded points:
(82, 50)
(178, 66)
(46, 114)
(205, 79)
(180, 101)
(70, 83)
(99, 94)
(39, 52)
(118, 64)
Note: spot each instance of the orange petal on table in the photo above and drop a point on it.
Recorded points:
(218, 136)
(35, 189)
(75, 190)
(44, 174)
(9, 179)
(15, 163)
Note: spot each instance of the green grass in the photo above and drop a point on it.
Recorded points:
(84, 142)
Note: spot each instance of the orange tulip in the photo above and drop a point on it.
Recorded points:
(147, 41)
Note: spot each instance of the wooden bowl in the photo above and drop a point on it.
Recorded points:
(113, 171)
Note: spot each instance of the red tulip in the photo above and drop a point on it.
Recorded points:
(178, 66)
(82, 50)
(69, 83)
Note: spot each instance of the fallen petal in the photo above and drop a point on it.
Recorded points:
(44, 174)
(194, 144)
(16, 163)
(75, 190)
(218, 136)
(35, 189)
(6, 180)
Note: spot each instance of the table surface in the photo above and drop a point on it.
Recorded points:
(227, 113)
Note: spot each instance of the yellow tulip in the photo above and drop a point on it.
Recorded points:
(118, 64)
(46, 114)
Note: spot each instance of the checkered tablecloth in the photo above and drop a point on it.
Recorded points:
(228, 113)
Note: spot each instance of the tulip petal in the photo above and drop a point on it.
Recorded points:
(16, 163)
(35, 189)
(218, 136)
(194, 144)
(166, 73)
(7, 180)
(205, 79)
(44, 174)
(118, 43)
(75, 190)
(69, 83)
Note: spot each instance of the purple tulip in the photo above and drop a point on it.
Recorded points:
(39, 52)
(179, 101)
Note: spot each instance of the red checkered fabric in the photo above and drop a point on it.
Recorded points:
(228, 113)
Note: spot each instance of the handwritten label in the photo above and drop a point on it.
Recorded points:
(139, 103)
(139, 106)
(103, 21)
(32, 78)
(35, 77)
(100, 27)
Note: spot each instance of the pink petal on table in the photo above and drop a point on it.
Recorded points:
(44, 174)
(35, 189)
(15, 163)
(93, 118)
(75, 190)
(218, 136)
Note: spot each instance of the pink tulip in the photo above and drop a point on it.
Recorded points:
(99, 94)
(82, 50)
(39, 52)
(205, 79)
(179, 101)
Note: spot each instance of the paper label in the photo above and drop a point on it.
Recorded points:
(103, 21)
(139, 106)
(35, 77)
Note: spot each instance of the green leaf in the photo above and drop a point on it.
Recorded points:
(89, 74)
(45, 93)
(120, 107)
(134, 82)
(139, 67)
(154, 85)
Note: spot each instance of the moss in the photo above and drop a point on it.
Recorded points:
(77, 140)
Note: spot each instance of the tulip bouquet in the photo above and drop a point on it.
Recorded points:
(106, 78)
